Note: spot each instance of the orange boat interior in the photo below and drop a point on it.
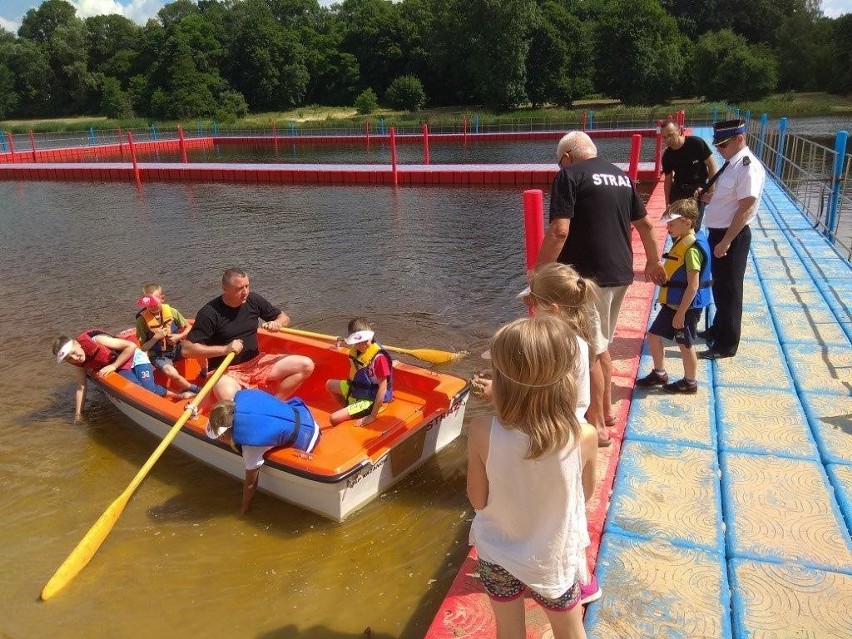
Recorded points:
(421, 396)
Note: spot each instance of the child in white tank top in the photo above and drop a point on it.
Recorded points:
(530, 470)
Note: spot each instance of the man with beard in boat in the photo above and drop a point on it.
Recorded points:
(228, 324)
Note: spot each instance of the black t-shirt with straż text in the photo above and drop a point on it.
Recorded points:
(218, 324)
(601, 203)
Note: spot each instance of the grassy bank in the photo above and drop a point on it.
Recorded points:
(605, 111)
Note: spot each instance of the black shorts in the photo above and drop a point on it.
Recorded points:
(662, 325)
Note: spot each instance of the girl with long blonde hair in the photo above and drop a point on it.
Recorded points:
(530, 469)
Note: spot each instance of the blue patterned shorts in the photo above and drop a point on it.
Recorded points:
(502, 586)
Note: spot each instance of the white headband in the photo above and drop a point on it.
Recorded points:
(62, 353)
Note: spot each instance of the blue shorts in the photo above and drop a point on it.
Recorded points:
(502, 586)
(685, 336)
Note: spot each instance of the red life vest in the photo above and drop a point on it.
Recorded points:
(98, 355)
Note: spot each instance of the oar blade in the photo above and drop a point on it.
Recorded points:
(434, 356)
(86, 549)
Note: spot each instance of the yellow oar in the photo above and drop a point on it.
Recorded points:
(88, 546)
(426, 354)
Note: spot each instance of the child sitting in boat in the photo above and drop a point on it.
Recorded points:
(370, 382)
(101, 353)
(530, 470)
(257, 422)
(160, 328)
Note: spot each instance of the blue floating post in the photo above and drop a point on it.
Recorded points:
(152, 132)
(214, 126)
(475, 123)
(3, 142)
(761, 137)
(840, 142)
(715, 114)
(382, 124)
(199, 129)
(779, 152)
(92, 139)
(292, 128)
(737, 112)
(591, 120)
(748, 116)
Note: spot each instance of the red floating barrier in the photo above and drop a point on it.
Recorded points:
(635, 149)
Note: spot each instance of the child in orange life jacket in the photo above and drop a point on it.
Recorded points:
(683, 296)
(370, 382)
(160, 329)
(530, 470)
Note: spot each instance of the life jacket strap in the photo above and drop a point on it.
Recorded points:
(296, 428)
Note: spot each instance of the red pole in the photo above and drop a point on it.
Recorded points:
(425, 144)
(464, 128)
(120, 143)
(393, 154)
(635, 148)
(11, 139)
(275, 134)
(32, 145)
(584, 119)
(182, 146)
(533, 225)
(658, 154)
(133, 159)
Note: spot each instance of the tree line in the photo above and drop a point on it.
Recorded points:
(226, 58)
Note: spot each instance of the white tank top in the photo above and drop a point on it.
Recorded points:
(534, 524)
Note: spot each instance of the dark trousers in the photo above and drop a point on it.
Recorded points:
(728, 274)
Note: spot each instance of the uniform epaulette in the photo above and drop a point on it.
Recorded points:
(746, 161)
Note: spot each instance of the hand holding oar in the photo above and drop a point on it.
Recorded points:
(88, 546)
(426, 354)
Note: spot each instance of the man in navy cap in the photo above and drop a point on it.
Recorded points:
(732, 206)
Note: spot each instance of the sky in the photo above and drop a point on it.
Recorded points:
(12, 11)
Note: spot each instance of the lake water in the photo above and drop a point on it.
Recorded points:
(432, 267)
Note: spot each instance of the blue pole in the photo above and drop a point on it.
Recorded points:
(840, 142)
(3, 141)
(761, 137)
(476, 124)
(737, 112)
(92, 139)
(215, 127)
(381, 124)
(199, 128)
(779, 152)
(292, 128)
(748, 116)
(591, 121)
(715, 114)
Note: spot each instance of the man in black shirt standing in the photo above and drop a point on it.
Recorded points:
(228, 324)
(687, 165)
(593, 205)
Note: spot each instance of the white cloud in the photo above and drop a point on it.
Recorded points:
(9, 25)
(835, 8)
(137, 10)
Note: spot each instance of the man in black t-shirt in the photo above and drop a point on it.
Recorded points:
(687, 165)
(593, 204)
(228, 324)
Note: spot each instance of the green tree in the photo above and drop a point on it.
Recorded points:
(366, 102)
(840, 60)
(112, 42)
(560, 67)
(8, 97)
(41, 23)
(638, 52)
(115, 103)
(406, 93)
(33, 77)
(729, 68)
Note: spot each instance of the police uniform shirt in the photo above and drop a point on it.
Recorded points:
(744, 177)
